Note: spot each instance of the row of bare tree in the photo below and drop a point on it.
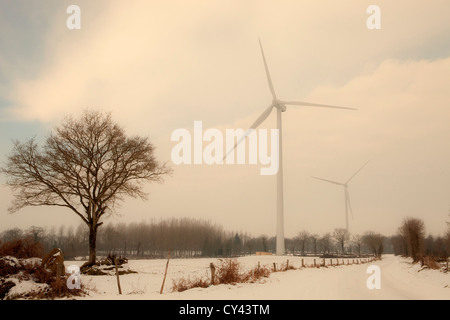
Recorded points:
(187, 237)
(339, 242)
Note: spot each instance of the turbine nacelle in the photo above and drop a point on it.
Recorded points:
(277, 104)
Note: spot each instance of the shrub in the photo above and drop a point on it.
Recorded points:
(226, 272)
(429, 262)
(183, 284)
(22, 248)
(258, 272)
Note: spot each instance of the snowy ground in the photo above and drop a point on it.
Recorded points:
(399, 280)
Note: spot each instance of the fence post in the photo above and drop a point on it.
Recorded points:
(274, 267)
(165, 273)
(314, 263)
(117, 275)
(303, 263)
(213, 272)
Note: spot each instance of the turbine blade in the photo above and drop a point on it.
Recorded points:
(310, 104)
(330, 181)
(269, 79)
(357, 172)
(262, 117)
(255, 124)
(348, 201)
(238, 142)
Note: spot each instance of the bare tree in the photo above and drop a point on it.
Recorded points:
(12, 234)
(264, 242)
(399, 245)
(358, 241)
(36, 233)
(313, 239)
(303, 239)
(87, 165)
(413, 231)
(375, 242)
(341, 235)
(325, 243)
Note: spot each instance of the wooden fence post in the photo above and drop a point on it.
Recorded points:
(213, 272)
(314, 263)
(303, 263)
(165, 273)
(117, 275)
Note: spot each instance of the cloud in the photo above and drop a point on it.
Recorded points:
(143, 58)
(161, 65)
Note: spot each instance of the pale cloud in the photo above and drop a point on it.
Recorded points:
(145, 57)
(161, 65)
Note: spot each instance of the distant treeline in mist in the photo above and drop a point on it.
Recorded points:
(186, 238)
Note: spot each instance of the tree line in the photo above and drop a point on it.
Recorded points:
(188, 237)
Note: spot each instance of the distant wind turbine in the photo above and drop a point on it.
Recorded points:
(280, 105)
(348, 206)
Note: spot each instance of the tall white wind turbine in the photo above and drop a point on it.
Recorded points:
(280, 105)
(348, 206)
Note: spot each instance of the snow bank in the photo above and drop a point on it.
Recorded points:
(24, 288)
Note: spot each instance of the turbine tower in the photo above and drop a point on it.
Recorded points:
(348, 206)
(280, 105)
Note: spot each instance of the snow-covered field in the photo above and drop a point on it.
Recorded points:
(399, 280)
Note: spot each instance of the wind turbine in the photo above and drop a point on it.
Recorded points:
(348, 206)
(280, 105)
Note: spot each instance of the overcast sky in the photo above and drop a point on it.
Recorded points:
(159, 66)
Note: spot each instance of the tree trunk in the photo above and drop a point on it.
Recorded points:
(92, 246)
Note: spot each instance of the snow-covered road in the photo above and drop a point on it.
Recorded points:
(399, 281)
